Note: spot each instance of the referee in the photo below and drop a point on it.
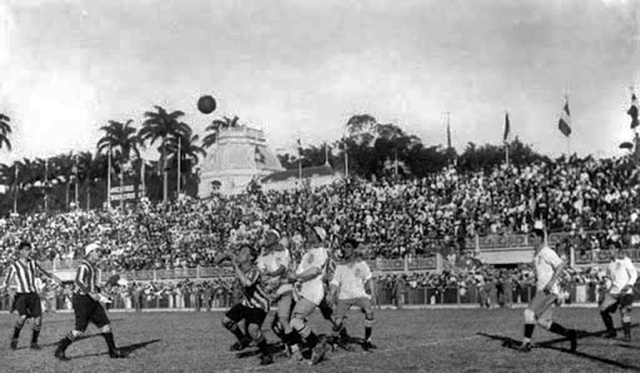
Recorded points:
(27, 301)
(87, 307)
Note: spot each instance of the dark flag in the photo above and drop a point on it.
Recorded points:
(633, 111)
(564, 123)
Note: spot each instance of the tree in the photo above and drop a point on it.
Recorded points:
(190, 153)
(164, 126)
(5, 131)
(213, 130)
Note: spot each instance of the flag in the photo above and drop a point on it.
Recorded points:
(564, 123)
(448, 135)
(507, 127)
(633, 111)
(299, 147)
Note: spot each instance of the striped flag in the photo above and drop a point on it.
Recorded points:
(564, 122)
(633, 111)
(507, 127)
(300, 148)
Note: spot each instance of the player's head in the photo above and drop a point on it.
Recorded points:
(24, 249)
(246, 254)
(315, 235)
(349, 248)
(615, 249)
(92, 251)
(538, 233)
(272, 236)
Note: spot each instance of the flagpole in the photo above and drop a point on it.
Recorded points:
(15, 193)
(179, 161)
(46, 184)
(109, 178)
(76, 177)
(142, 178)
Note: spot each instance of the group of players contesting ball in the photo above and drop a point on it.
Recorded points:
(332, 283)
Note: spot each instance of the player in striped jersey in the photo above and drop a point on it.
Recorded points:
(87, 307)
(252, 309)
(23, 273)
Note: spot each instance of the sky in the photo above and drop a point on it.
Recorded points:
(302, 68)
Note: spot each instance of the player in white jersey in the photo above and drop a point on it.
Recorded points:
(310, 292)
(273, 263)
(621, 276)
(352, 285)
(548, 268)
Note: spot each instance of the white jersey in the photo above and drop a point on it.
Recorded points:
(351, 279)
(545, 264)
(622, 273)
(268, 263)
(313, 290)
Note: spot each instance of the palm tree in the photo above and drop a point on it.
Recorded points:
(190, 153)
(213, 130)
(121, 140)
(5, 130)
(164, 126)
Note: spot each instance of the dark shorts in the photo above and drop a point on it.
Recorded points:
(612, 302)
(241, 312)
(28, 304)
(87, 310)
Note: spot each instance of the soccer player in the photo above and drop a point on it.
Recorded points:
(352, 285)
(548, 268)
(27, 301)
(273, 263)
(622, 276)
(87, 307)
(252, 309)
(310, 290)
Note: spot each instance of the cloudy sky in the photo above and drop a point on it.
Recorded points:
(292, 66)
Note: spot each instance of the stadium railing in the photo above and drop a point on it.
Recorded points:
(480, 296)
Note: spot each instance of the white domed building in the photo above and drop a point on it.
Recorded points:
(240, 155)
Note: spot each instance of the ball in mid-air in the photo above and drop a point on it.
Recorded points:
(207, 104)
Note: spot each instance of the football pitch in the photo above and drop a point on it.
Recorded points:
(416, 340)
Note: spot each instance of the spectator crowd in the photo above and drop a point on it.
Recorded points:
(392, 218)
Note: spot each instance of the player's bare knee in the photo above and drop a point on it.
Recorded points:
(106, 329)
(37, 321)
(254, 331)
(545, 323)
(529, 316)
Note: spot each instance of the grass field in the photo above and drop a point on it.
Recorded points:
(426, 340)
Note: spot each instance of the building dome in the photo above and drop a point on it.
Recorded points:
(240, 155)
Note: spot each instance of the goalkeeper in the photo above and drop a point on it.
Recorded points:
(87, 307)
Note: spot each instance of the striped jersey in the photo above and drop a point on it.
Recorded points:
(254, 295)
(24, 273)
(86, 278)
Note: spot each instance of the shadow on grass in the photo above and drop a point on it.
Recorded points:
(511, 343)
(127, 350)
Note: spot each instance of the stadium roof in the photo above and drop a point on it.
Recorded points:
(308, 172)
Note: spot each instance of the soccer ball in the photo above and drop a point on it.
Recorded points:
(206, 104)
